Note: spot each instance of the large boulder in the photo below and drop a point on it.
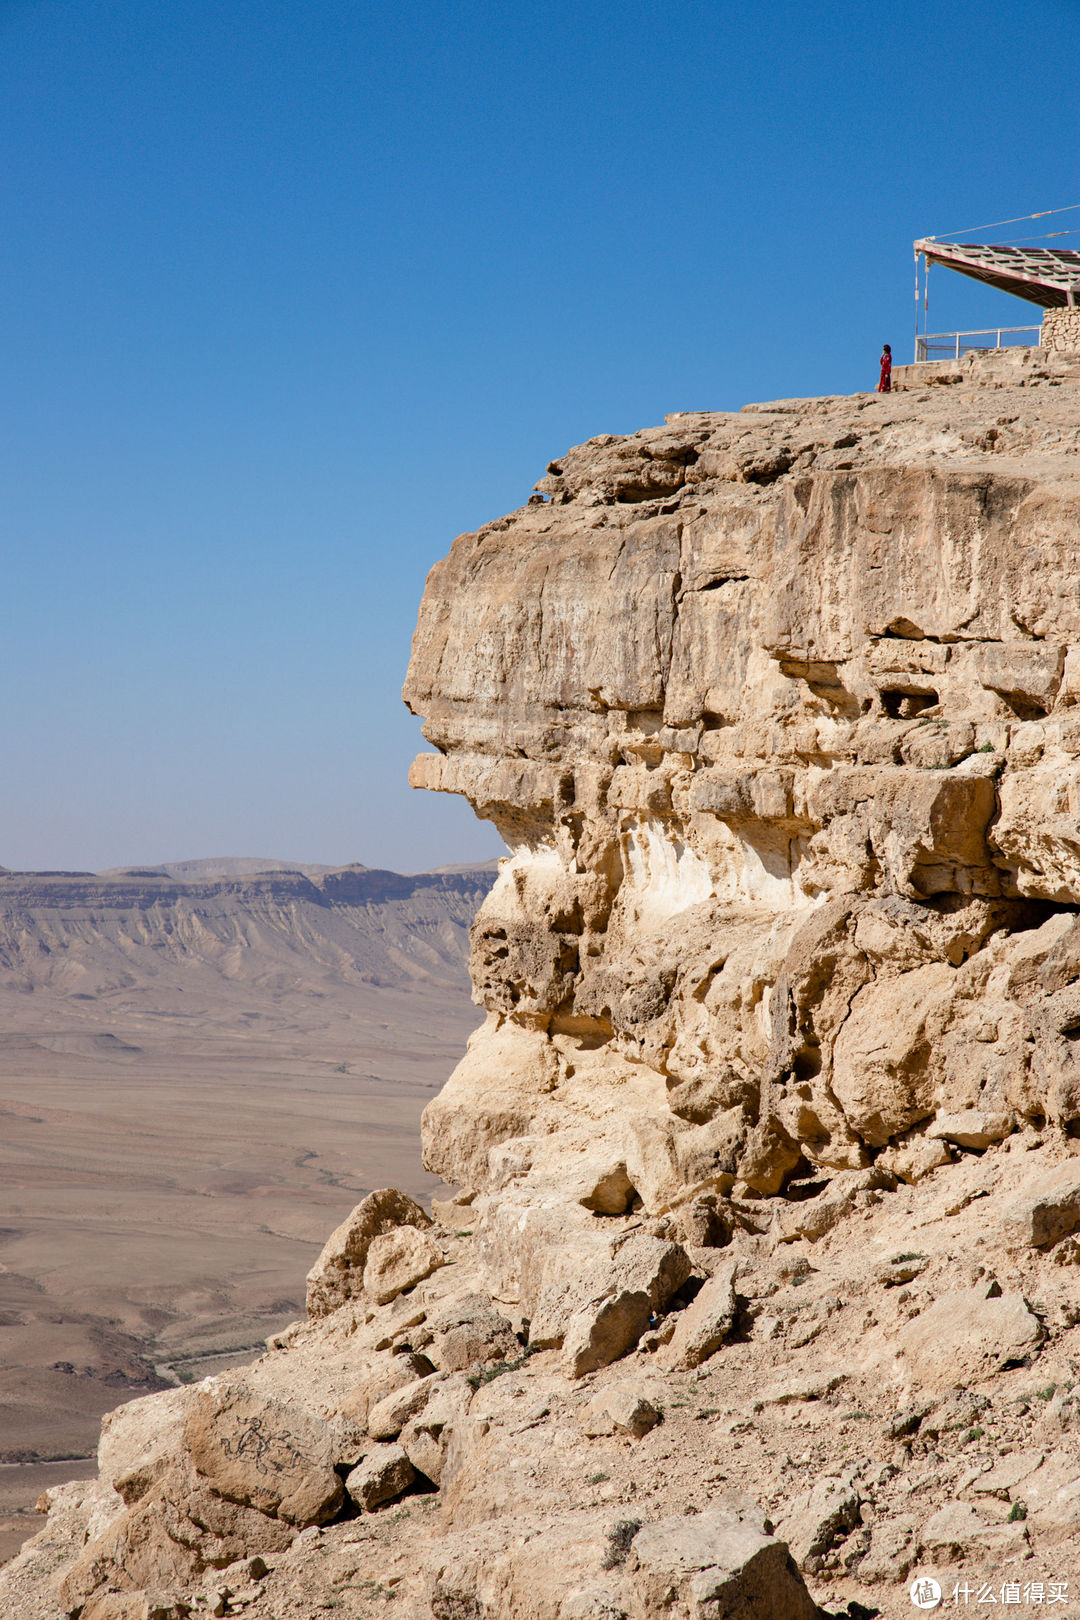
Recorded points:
(210, 1475)
(818, 1518)
(338, 1274)
(381, 1476)
(967, 1335)
(706, 1322)
(718, 1565)
(390, 1373)
(271, 1455)
(1052, 1495)
(585, 1272)
(387, 1419)
(623, 1410)
(1048, 1208)
(882, 1075)
(972, 1127)
(425, 1437)
(604, 1330)
(171, 1536)
(142, 1440)
(397, 1261)
(962, 1531)
(623, 1297)
(469, 1333)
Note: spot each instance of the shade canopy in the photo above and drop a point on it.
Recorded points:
(1041, 275)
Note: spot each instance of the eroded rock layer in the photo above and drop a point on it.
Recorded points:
(779, 713)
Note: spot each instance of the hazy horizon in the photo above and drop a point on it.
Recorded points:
(249, 864)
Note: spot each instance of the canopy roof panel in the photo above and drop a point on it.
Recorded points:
(1040, 275)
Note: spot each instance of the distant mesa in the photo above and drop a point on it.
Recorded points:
(467, 867)
(286, 925)
(233, 866)
(224, 866)
(12, 872)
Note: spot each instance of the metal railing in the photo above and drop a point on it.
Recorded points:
(951, 345)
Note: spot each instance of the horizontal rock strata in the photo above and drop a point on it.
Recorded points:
(778, 711)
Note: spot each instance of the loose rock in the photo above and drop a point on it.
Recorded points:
(717, 1563)
(337, 1276)
(399, 1260)
(383, 1474)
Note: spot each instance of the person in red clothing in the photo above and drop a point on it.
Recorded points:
(885, 380)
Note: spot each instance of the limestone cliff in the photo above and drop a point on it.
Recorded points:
(762, 1269)
(778, 711)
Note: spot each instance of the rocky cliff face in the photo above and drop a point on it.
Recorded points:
(778, 711)
(771, 1131)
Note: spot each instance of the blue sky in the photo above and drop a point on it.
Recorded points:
(295, 292)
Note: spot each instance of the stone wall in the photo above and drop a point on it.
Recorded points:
(1061, 331)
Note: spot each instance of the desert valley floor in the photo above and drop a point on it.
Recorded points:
(198, 1080)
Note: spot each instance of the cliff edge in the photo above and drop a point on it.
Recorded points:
(759, 1296)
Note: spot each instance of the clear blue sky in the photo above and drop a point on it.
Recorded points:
(293, 292)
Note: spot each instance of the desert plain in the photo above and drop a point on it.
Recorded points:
(203, 1068)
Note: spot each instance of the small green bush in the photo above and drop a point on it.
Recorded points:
(620, 1537)
(500, 1367)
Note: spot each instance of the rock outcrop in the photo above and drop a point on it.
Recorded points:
(758, 1294)
(355, 1257)
(778, 712)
